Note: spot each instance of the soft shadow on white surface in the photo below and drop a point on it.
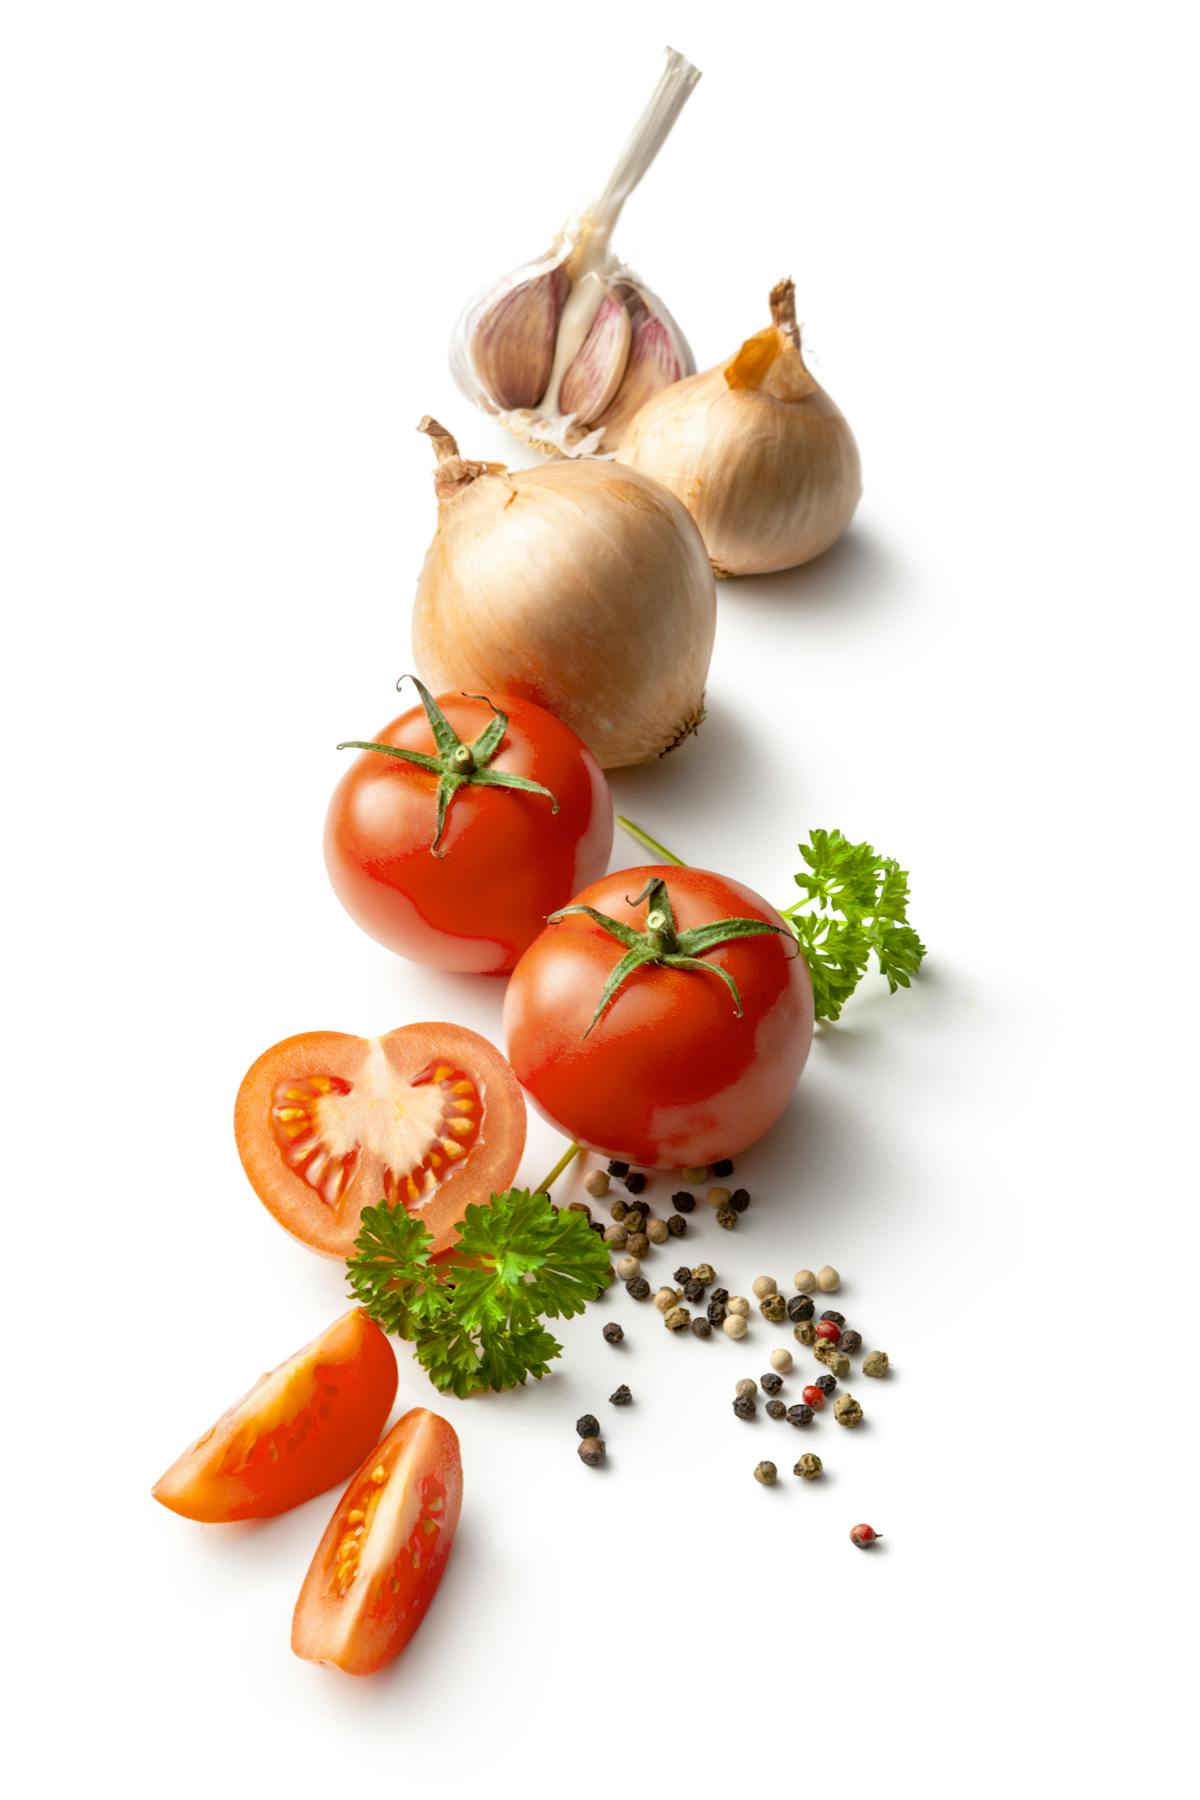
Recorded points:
(856, 576)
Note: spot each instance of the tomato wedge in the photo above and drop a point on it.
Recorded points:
(298, 1431)
(429, 1117)
(379, 1563)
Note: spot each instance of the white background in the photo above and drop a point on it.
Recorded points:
(236, 236)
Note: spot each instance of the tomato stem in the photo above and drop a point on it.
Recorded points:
(643, 837)
(565, 1160)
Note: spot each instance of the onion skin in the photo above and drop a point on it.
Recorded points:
(580, 585)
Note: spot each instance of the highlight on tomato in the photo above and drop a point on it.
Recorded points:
(454, 833)
(429, 1117)
(299, 1430)
(383, 1553)
(664, 1017)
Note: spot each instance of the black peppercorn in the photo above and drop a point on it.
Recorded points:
(726, 1218)
(580, 1206)
(799, 1415)
(618, 1168)
(839, 1319)
(770, 1382)
(800, 1306)
(635, 1182)
(716, 1312)
(597, 1226)
(851, 1342)
(620, 1397)
(591, 1451)
(588, 1426)
(775, 1409)
(676, 1224)
(826, 1383)
(720, 1293)
(637, 1287)
(618, 1209)
(683, 1274)
(693, 1290)
(744, 1407)
(683, 1201)
(701, 1328)
(613, 1333)
(724, 1167)
(739, 1199)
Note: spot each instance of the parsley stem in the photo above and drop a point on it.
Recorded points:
(643, 837)
(568, 1156)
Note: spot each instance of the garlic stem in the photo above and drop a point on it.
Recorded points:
(646, 140)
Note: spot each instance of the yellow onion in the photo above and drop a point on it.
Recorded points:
(580, 585)
(756, 450)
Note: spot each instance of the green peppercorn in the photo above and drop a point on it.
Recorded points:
(614, 1333)
(635, 1218)
(718, 1196)
(805, 1332)
(847, 1411)
(809, 1467)
(701, 1328)
(638, 1244)
(726, 1218)
(876, 1363)
(694, 1176)
(677, 1225)
(591, 1451)
(737, 1303)
(799, 1307)
(851, 1342)
(656, 1231)
(637, 1287)
(766, 1473)
(774, 1309)
(744, 1407)
(619, 1210)
(616, 1237)
(620, 1396)
(678, 1319)
(683, 1202)
(775, 1409)
(739, 1200)
(704, 1272)
(597, 1184)
(588, 1426)
(771, 1382)
(832, 1357)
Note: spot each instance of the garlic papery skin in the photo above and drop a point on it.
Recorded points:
(578, 584)
(756, 450)
(566, 348)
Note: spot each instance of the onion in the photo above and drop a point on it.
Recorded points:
(756, 450)
(579, 585)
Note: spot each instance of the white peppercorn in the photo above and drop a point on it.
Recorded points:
(734, 1325)
(828, 1280)
(628, 1267)
(656, 1231)
(597, 1184)
(666, 1298)
(717, 1196)
(781, 1360)
(736, 1303)
(804, 1280)
(763, 1285)
(616, 1237)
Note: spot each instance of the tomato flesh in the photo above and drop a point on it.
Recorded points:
(380, 1561)
(429, 1117)
(298, 1431)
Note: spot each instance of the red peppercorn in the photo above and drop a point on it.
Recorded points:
(814, 1397)
(864, 1536)
(829, 1331)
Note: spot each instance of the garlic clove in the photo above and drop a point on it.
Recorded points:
(513, 337)
(658, 356)
(591, 382)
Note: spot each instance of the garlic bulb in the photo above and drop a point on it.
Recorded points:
(567, 348)
(580, 585)
(758, 453)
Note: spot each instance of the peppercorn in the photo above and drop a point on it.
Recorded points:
(805, 1332)
(635, 1218)
(619, 1211)
(618, 1169)
(701, 1328)
(628, 1267)
(734, 1326)
(852, 1342)
(782, 1360)
(682, 1274)
(683, 1202)
(847, 1411)
(833, 1358)
(638, 1244)
(718, 1293)
(620, 1396)
(723, 1168)
(726, 1218)
(638, 1288)
(739, 1200)
(717, 1196)
(716, 1312)
(839, 1319)
(809, 1467)
(747, 1385)
(616, 1237)
(588, 1426)
(799, 1415)
(656, 1231)
(876, 1363)
(771, 1382)
(596, 1226)
(597, 1184)
(580, 1206)
(827, 1383)
(678, 1319)
(763, 1285)
(666, 1298)
(864, 1536)
(613, 1333)
(799, 1307)
(744, 1407)
(766, 1473)
(828, 1332)
(636, 1182)
(828, 1280)
(774, 1309)
(737, 1304)
(591, 1451)
(814, 1397)
(693, 1291)
(695, 1175)
(775, 1409)
(676, 1225)
(704, 1272)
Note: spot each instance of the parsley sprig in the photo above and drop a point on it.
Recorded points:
(870, 892)
(475, 1319)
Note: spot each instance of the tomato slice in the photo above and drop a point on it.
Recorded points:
(379, 1563)
(429, 1117)
(299, 1430)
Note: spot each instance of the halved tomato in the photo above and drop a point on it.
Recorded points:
(299, 1430)
(429, 1117)
(381, 1558)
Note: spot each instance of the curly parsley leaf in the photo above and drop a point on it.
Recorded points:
(870, 892)
(390, 1274)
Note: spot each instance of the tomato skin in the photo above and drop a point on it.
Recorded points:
(670, 1077)
(297, 1432)
(506, 859)
(407, 1531)
(364, 1066)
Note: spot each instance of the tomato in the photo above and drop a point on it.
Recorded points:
(379, 1563)
(505, 859)
(299, 1430)
(429, 1117)
(669, 1076)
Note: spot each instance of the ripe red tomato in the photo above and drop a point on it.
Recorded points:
(429, 1117)
(506, 858)
(669, 1076)
(298, 1431)
(379, 1563)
